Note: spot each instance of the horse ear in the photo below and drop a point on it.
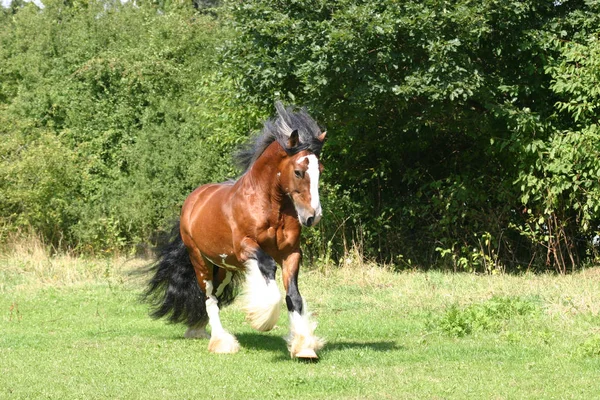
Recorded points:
(321, 137)
(294, 140)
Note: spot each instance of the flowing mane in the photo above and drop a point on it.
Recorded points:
(279, 129)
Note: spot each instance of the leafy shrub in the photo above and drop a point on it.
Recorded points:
(462, 135)
(114, 113)
(39, 183)
(444, 134)
(560, 188)
(590, 347)
(488, 316)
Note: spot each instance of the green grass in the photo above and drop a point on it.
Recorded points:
(74, 329)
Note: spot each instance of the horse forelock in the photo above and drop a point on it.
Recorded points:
(279, 130)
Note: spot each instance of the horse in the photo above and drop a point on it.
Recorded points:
(244, 229)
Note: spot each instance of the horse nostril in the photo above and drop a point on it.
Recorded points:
(309, 221)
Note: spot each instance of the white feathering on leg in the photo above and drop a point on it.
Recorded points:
(302, 342)
(262, 299)
(221, 341)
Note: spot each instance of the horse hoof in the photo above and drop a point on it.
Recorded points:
(307, 354)
(223, 344)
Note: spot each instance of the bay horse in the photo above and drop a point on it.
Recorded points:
(244, 229)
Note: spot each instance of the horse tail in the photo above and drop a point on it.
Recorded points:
(173, 291)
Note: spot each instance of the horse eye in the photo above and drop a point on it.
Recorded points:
(298, 173)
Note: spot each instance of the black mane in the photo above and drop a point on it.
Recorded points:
(279, 129)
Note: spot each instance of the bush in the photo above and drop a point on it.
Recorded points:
(491, 315)
(114, 113)
(462, 135)
(439, 114)
(39, 183)
(560, 187)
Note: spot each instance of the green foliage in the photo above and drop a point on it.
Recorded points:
(438, 113)
(590, 348)
(487, 316)
(561, 186)
(40, 183)
(462, 135)
(113, 114)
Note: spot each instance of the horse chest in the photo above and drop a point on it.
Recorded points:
(278, 240)
(268, 238)
(287, 239)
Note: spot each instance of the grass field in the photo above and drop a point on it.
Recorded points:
(74, 329)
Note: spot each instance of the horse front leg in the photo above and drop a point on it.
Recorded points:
(302, 343)
(261, 296)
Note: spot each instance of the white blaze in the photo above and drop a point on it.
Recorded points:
(313, 174)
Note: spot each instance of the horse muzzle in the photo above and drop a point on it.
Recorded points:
(309, 219)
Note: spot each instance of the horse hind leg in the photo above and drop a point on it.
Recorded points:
(197, 331)
(222, 279)
(221, 341)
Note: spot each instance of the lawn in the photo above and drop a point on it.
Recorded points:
(75, 329)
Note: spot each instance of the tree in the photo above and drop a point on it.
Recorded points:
(433, 109)
(110, 115)
(561, 187)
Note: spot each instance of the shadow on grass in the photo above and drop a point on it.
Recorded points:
(258, 341)
(374, 346)
(276, 344)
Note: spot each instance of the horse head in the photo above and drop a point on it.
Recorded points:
(299, 179)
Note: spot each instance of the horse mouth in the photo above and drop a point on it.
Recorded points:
(310, 221)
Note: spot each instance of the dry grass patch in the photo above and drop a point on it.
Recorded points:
(27, 265)
(561, 295)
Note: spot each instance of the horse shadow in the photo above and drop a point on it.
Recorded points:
(278, 345)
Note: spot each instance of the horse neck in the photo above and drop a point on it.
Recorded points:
(262, 176)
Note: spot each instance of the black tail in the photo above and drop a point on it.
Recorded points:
(173, 290)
